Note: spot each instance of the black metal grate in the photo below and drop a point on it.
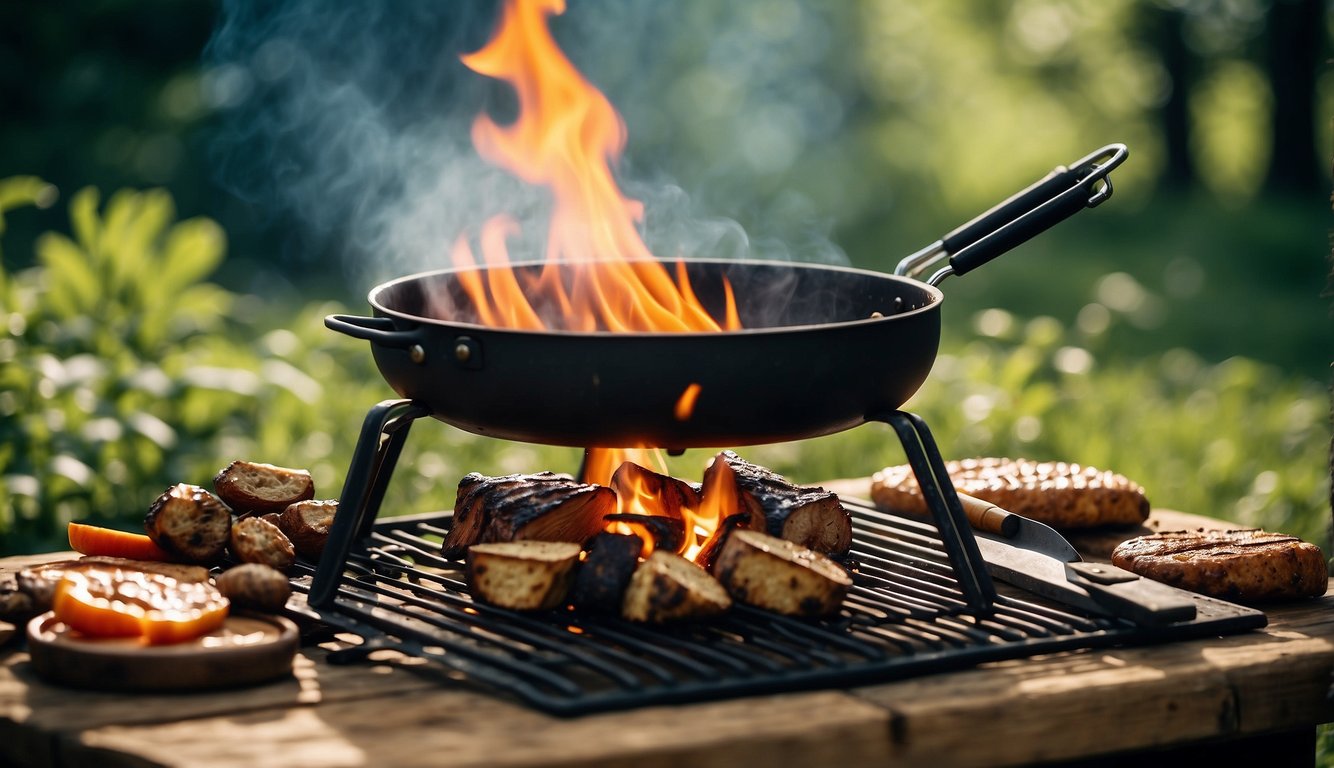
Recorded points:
(906, 616)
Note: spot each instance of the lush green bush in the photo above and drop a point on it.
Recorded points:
(124, 371)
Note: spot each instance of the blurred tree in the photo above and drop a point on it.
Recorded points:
(1294, 47)
(1165, 28)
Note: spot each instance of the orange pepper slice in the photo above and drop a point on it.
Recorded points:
(112, 602)
(96, 540)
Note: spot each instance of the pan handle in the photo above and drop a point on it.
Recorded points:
(1052, 199)
(377, 330)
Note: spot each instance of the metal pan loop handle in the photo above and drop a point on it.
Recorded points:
(1057, 196)
(377, 330)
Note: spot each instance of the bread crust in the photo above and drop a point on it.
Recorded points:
(190, 523)
(781, 576)
(256, 540)
(307, 525)
(1245, 565)
(1061, 494)
(525, 575)
(251, 487)
(667, 587)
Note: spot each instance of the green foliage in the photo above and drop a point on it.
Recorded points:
(124, 371)
(105, 340)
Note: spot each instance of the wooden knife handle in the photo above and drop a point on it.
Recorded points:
(985, 516)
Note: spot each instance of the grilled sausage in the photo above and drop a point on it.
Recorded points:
(190, 523)
(253, 488)
(667, 587)
(780, 576)
(522, 575)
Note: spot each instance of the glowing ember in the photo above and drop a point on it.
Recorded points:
(566, 136)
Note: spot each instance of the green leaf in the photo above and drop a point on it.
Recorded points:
(135, 223)
(83, 218)
(192, 250)
(20, 191)
(74, 286)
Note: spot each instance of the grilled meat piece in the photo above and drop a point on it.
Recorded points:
(1062, 495)
(809, 516)
(255, 540)
(255, 585)
(667, 587)
(522, 575)
(781, 576)
(544, 506)
(1249, 566)
(605, 573)
(254, 488)
(190, 523)
(307, 525)
(670, 495)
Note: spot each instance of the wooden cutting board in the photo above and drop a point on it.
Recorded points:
(246, 649)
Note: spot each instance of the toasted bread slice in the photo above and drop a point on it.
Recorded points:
(190, 523)
(667, 587)
(307, 524)
(527, 575)
(780, 576)
(256, 540)
(255, 488)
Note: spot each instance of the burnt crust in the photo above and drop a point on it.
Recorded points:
(1243, 565)
(190, 523)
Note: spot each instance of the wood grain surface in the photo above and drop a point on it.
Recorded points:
(1054, 707)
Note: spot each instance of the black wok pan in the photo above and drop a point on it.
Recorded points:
(822, 349)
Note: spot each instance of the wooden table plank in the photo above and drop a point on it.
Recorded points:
(447, 728)
(1059, 706)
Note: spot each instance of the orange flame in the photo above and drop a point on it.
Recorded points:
(566, 137)
(599, 275)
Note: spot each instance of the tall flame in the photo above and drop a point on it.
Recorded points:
(599, 275)
(566, 137)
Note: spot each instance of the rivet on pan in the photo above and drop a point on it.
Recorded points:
(462, 352)
(416, 354)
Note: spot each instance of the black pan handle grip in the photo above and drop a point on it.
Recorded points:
(377, 330)
(1061, 194)
(1012, 208)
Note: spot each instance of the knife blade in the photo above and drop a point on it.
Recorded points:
(1017, 529)
(1101, 589)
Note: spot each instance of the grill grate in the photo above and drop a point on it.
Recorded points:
(907, 615)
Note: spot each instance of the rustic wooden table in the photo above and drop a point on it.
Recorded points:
(1257, 695)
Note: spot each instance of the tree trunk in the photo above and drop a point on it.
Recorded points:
(1165, 27)
(1294, 45)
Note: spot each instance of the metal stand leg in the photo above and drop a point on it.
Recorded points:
(378, 447)
(941, 499)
